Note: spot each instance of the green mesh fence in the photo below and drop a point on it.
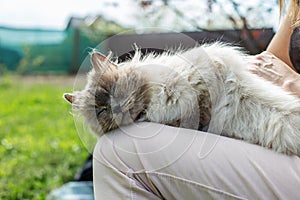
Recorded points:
(31, 50)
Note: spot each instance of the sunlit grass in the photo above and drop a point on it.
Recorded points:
(39, 146)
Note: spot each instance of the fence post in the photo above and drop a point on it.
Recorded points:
(75, 60)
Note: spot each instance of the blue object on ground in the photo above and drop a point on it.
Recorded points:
(73, 191)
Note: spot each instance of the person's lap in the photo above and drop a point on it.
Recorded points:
(153, 161)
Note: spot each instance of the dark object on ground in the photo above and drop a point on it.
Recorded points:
(86, 172)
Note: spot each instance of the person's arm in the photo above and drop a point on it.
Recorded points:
(279, 45)
(275, 65)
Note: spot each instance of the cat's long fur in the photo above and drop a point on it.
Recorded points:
(207, 87)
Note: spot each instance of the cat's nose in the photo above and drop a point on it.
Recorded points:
(117, 109)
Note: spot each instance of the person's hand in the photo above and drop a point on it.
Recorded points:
(269, 67)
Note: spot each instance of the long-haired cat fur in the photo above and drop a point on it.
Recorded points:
(206, 88)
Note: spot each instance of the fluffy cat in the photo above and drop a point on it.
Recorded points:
(206, 88)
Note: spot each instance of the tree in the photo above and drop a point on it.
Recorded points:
(209, 14)
(202, 15)
(214, 15)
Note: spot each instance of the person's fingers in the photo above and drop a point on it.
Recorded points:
(268, 55)
(258, 71)
(260, 57)
(266, 72)
(268, 65)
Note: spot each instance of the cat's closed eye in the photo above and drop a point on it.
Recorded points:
(100, 110)
(102, 98)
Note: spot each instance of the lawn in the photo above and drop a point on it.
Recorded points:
(39, 146)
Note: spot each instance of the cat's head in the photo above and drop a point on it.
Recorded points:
(114, 95)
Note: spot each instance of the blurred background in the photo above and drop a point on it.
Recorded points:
(42, 47)
(55, 36)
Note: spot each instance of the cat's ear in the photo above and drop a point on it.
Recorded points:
(100, 62)
(69, 97)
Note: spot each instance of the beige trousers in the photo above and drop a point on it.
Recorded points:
(154, 161)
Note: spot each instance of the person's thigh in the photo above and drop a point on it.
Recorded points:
(148, 161)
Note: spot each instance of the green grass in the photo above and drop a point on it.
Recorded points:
(39, 146)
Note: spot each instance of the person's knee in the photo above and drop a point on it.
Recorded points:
(103, 152)
(110, 151)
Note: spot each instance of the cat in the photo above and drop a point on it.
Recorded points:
(207, 87)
